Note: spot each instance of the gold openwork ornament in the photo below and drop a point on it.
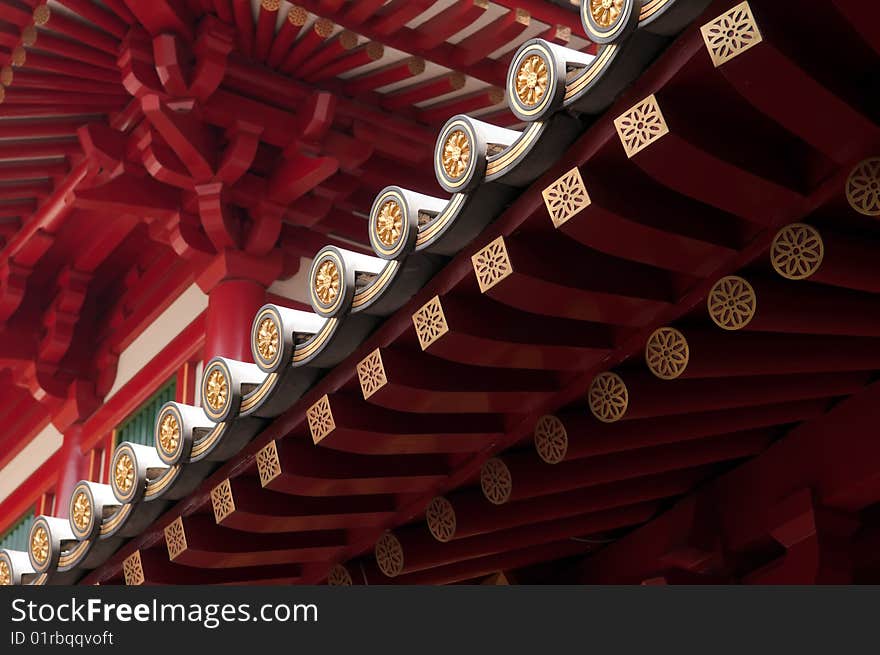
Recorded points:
(123, 473)
(389, 223)
(667, 353)
(169, 433)
(456, 154)
(41, 14)
(268, 339)
(175, 538)
(731, 34)
(566, 197)
(40, 544)
(326, 283)
(268, 464)
(797, 251)
(133, 570)
(551, 439)
(216, 389)
(863, 187)
(389, 555)
(81, 511)
(430, 322)
(608, 397)
(732, 303)
(641, 126)
(371, 373)
(339, 576)
(320, 419)
(492, 264)
(606, 12)
(5, 574)
(440, 515)
(532, 80)
(222, 501)
(496, 481)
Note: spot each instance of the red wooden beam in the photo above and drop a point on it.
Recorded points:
(335, 48)
(284, 38)
(360, 11)
(442, 111)
(308, 43)
(33, 190)
(18, 172)
(56, 22)
(782, 498)
(420, 552)
(531, 478)
(406, 40)
(32, 129)
(39, 149)
(267, 16)
(17, 13)
(21, 209)
(118, 7)
(390, 74)
(207, 545)
(423, 91)
(548, 12)
(493, 36)
(398, 13)
(9, 37)
(97, 15)
(259, 510)
(847, 262)
(75, 51)
(483, 566)
(474, 515)
(25, 79)
(304, 470)
(64, 66)
(224, 11)
(450, 21)
(359, 56)
(244, 26)
(64, 98)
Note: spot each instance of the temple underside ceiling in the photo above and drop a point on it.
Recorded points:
(631, 330)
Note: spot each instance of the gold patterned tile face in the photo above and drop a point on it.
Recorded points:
(371, 373)
(492, 264)
(222, 501)
(641, 126)
(133, 570)
(175, 538)
(566, 197)
(430, 322)
(731, 34)
(863, 187)
(320, 419)
(268, 464)
(732, 303)
(339, 576)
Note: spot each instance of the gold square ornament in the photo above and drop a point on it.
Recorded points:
(430, 322)
(371, 373)
(492, 264)
(566, 197)
(731, 34)
(641, 126)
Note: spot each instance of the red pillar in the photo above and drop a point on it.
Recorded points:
(74, 466)
(232, 305)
